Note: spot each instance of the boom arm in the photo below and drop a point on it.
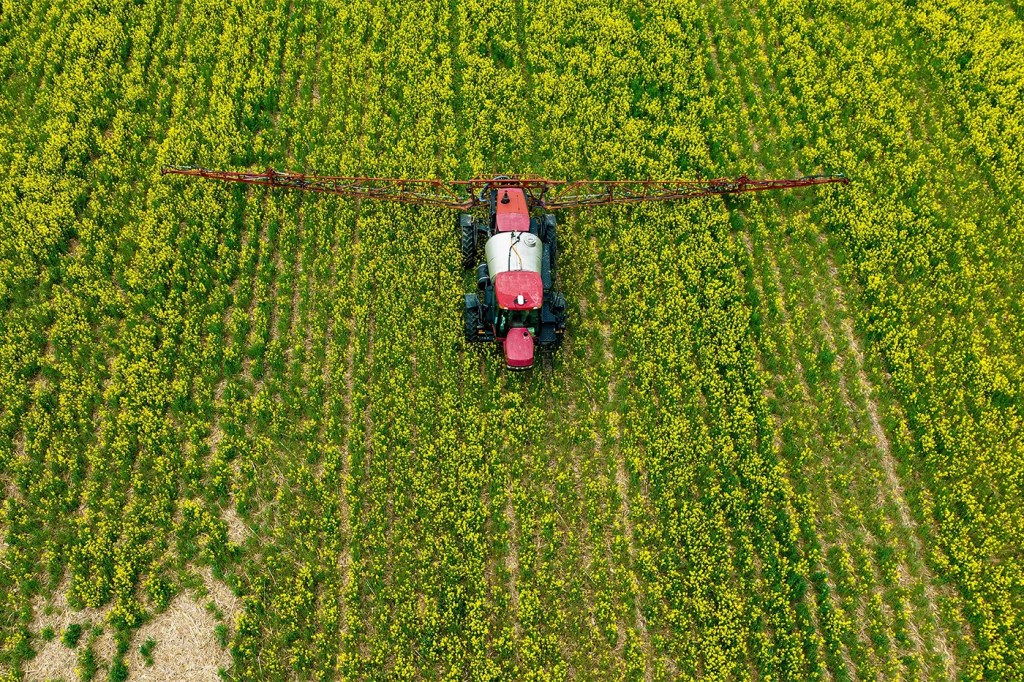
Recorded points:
(426, 192)
(465, 194)
(599, 192)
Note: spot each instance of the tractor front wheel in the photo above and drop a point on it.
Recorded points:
(549, 235)
(467, 230)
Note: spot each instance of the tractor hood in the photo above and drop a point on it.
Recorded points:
(518, 290)
(511, 213)
(519, 348)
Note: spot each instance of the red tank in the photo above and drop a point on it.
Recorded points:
(519, 348)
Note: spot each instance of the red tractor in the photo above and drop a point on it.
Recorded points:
(516, 303)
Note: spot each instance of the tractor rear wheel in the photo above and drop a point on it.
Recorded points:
(467, 229)
(472, 317)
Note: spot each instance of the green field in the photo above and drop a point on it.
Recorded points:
(240, 430)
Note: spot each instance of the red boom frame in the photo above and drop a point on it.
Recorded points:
(465, 194)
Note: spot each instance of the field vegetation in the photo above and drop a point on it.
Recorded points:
(781, 442)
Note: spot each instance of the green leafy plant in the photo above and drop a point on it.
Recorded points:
(72, 635)
(146, 650)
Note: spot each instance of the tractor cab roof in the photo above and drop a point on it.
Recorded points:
(518, 290)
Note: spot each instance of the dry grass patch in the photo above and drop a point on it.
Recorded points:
(186, 645)
(54, 660)
(184, 636)
(238, 530)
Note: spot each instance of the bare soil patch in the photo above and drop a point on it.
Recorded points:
(894, 488)
(512, 561)
(238, 531)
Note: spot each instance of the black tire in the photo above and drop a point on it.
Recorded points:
(471, 318)
(468, 240)
(547, 227)
(549, 235)
(553, 249)
(558, 305)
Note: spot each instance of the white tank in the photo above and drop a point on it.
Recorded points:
(513, 251)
